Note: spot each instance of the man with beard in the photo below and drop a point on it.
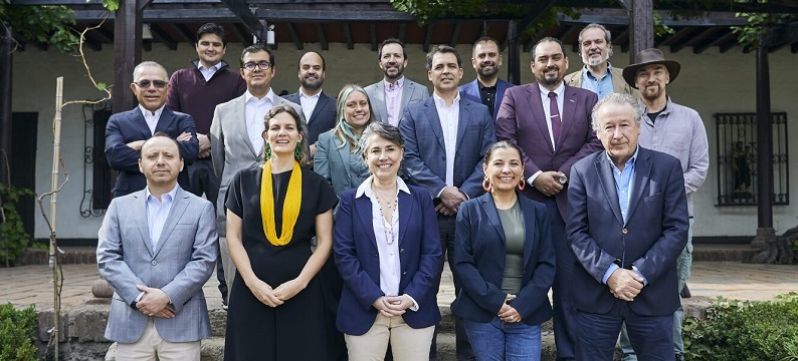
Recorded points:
(487, 88)
(676, 130)
(197, 90)
(597, 75)
(550, 122)
(446, 137)
(318, 107)
(390, 96)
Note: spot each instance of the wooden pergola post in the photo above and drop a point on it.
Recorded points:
(765, 233)
(127, 50)
(6, 62)
(641, 27)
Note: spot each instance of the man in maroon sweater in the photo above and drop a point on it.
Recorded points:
(197, 90)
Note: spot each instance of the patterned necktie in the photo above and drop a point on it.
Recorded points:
(556, 122)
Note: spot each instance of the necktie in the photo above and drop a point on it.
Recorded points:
(556, 122)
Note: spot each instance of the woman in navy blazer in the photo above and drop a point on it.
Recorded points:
(504, 260)
(387, 249)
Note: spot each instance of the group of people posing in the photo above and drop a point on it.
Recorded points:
(335, 216)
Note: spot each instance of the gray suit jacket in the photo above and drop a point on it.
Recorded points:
(333, 163)
(231, 150)
(411, 92)
(180, 264)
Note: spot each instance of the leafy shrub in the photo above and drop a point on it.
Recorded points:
(17, 333)
(13, 238)
(745, 331)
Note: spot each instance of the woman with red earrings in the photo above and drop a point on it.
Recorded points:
(505, 262)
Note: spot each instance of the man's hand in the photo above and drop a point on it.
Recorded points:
(548, 183)
(312, 150)
(451, 197)
(184, 137)
(154, 302)
(625, 284)
(444, 210)
(289, 289)
(399, 303)
(264, 293)
(204, 146)
(381, 304)
(136, 145)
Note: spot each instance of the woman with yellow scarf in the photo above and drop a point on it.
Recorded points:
(275, 310)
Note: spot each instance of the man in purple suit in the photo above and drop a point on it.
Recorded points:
(550, 122)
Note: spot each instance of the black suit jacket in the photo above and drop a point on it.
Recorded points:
(323, 117)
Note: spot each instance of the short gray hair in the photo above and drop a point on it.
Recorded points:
(616, 99)
(149, 64)
(383, 130)
(607, 34)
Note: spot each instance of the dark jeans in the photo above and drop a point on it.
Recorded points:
(500, 341)
(651, 336)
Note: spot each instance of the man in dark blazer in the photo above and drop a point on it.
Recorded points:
(446, 137)
(627, 225)
(318, 107)
(550, 122)
(127, 131)
(487, 88)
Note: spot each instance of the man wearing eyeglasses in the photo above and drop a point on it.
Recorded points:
(127, 131)
(236, 128)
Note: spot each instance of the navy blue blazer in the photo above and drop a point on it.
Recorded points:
(651, 238)
(479, 256)
(323, 117)
(425, 154)
(470, 91)
(357, 258)
(129, 126)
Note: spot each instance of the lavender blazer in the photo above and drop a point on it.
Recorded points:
(522, 120)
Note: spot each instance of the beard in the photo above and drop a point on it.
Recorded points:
(312, 84)
(593, 61)
(394, 72)
(552, 79)
(488, 71)
(652, 92)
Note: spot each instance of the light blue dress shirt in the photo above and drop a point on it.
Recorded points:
(602, 87)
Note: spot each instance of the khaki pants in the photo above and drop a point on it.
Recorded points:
(407, 344)
(151, 347)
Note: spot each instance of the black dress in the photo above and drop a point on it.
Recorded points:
(295, 330)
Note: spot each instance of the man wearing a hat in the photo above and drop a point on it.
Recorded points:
(676, 130)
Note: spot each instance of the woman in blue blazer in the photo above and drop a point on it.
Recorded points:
(387, 249)
(504, 260)
(338, 155)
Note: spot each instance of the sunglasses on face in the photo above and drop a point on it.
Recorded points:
(159, 84)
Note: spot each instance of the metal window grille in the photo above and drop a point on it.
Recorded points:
(737, 159)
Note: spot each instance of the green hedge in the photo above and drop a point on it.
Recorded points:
(17, 333)
(745, 331)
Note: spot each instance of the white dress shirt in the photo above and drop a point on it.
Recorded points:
(544, 98)
(207, 73)
(255, 112)
(390, 268)
(151, 117)
(157, 212)
(393, 100)
(449, 116)
(308, 103)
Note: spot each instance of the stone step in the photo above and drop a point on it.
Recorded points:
(71, 255)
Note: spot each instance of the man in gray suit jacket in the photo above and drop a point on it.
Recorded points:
(156, 248)
(390, 96)
(237, 132)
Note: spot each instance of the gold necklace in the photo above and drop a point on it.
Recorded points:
(387, 226)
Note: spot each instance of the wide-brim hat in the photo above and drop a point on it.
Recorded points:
(648, 57)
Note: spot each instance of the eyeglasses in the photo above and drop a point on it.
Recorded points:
(265, 65)
(158, 84)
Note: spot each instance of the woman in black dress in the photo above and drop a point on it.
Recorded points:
(273, 212)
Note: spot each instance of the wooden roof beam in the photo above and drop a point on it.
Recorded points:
(348, 36)
(698, 49)
(427, 37)
(242, 33)
(402, 32)
(162, 36)
(373, 36)
(295, 36)
(455, 33)
(322, 37)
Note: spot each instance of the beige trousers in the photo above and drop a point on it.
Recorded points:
(407, 344)
(151, 347)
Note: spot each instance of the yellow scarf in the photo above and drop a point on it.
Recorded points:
(293, 200)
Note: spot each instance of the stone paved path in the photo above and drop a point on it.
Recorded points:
(27, 285)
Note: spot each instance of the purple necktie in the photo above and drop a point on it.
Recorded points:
(556, 122)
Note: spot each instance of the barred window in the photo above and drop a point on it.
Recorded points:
(737, 159)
